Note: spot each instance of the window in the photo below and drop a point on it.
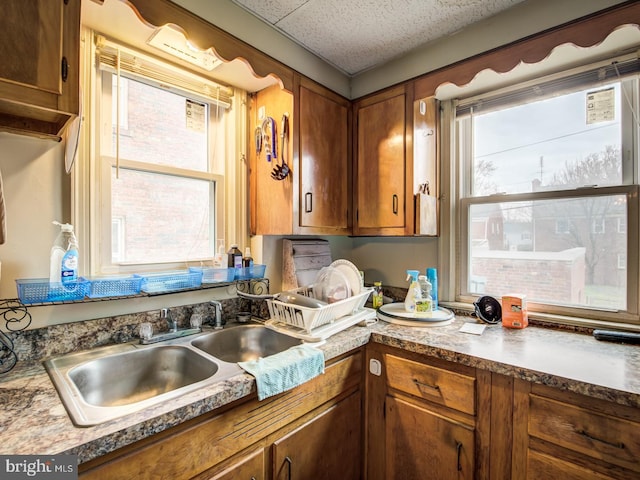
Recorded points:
(622, 261)
(597, 225)
(545, 158)
(563, 226)
(622, 225)
(161, 143)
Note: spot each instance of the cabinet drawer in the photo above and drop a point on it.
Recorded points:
(437, 385)
(540, 465)
(605, 437)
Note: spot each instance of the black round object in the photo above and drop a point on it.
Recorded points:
(488, 309)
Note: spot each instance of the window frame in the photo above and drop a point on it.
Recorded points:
(233, 190)
(108, 162)
(461, 205)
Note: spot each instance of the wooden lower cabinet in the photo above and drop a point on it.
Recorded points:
(248, 466)
(316, 425)
(425, 418)
(422, 444)
(559, 434)
(326, 448)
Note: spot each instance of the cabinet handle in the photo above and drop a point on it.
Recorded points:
(435, 388)
(289, 463)
(308, 202)
(588, 436)
(458, 454)
(395, 204)
(64, 69)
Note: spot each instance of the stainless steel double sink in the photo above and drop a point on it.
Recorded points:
(109, 382)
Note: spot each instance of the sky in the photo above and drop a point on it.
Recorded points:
(555, 129)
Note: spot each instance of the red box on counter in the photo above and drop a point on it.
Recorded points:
(514, 311)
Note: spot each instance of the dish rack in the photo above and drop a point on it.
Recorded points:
(307, 318)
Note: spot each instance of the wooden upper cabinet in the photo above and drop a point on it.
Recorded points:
(39, 72)
(315, 197)
(270, 199)
(323, 153)
(426, 168)
(384, 203)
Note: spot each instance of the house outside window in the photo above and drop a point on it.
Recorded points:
(546, 158)
(563, 226)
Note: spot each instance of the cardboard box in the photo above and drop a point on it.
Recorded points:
(514, 311)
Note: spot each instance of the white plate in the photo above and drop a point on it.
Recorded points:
(352, 273)
(331, 282)
(396, 310)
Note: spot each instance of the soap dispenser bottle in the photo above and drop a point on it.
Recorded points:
(63, 263)
(413, 294)
(424, 306)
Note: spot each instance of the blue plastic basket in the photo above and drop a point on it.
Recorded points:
(170, 281)
(247, 273)
(214, 275)
(39, 290)
(114, 286)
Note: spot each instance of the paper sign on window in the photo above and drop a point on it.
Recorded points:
(601, 106)
(195, 113)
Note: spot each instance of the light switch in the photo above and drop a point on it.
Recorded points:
(375, 367)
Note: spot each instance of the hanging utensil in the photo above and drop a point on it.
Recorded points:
(280, 172)
(258, 140)
(269, 136)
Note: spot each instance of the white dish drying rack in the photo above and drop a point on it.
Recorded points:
(307, 320)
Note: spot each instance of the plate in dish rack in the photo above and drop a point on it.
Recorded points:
(351, 272)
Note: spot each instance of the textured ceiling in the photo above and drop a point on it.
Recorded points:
(356, 35)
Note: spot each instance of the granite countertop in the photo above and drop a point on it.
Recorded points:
(35, 421)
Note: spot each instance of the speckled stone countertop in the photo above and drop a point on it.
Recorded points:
(34, 421)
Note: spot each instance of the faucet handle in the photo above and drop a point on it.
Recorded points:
(146, 331)
(196, 320)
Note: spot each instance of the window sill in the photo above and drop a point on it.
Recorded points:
(577, 324)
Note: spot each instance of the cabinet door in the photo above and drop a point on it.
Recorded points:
(381, 166)
(324, 162)
(270, 200)
(421, 444)
(39, 72)
(247, 467)
(425, 165)
(326, 448)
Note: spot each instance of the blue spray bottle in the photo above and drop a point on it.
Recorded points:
(432, 276)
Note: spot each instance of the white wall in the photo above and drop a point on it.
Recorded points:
(388, 259)
(36, 192)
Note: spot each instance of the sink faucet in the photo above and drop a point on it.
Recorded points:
(147, 336)
(173, 324)
(217, 324)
